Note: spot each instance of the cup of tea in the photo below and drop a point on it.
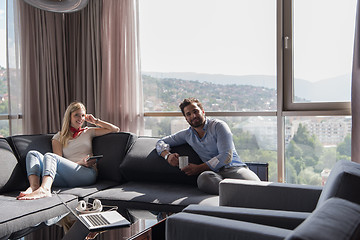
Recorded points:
(183, 161)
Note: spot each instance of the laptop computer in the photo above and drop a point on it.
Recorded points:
(99, 221)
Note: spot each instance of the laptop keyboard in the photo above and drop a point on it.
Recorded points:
(96, 219)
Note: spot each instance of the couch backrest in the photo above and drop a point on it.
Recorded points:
(342, 182)
(114, 147)
(12, 176)
(142, 163)
(22, 144)
(335, 219)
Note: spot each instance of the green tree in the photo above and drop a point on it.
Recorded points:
(4, 107)
(344, 148)
(244, 140)
(303, 156)
(291, 173)
(311, 147)
(293, 150)
(308, 176)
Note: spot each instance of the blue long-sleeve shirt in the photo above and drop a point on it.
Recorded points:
(216, 148)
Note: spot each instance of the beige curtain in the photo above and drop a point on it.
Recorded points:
(43, 67)
(121, 90)
(83, 29)
(355, 95)
(90, 56)
(61, 63)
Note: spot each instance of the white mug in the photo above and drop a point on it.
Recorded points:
(183, 161)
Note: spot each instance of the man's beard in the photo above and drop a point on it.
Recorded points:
(194, 125)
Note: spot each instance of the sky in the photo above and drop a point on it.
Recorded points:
(207, 36)
(237, 37)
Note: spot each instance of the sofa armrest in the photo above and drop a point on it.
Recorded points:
(275, 218)
(336, 218)
(268, 195)
(199, 227)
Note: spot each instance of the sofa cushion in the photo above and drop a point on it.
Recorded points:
(335, 219)
(84, 191)
(12, 176)
(342, 179)
(142, 163)
(17, 215)
(114, 147)
(163, 197)
(268, 195)
(199, 227)
(22, 144)
(275, 218)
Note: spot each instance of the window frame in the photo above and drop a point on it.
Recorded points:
(284, 78)
(285, 85)
(333, 108)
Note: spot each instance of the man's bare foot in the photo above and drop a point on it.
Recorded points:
(38, 193)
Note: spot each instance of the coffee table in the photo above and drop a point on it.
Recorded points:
(144, 227)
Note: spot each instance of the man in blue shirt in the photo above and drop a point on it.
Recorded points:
(212, 141)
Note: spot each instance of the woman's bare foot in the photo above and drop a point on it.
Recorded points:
(38, 193)
(26, 192)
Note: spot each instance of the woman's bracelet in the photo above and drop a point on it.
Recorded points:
(97, 121)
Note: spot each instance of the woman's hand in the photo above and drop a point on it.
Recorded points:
(103, 127)
(87, 163)
(91, 119)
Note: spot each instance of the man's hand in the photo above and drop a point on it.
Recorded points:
(194, 169)
(173, 159)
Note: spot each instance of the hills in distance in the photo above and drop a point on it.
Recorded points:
(331, 90)
(165, 94)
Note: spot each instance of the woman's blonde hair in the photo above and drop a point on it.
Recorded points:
(65, 133)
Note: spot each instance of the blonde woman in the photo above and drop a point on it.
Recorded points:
(67, 166)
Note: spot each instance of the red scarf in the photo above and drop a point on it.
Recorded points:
(76, 131)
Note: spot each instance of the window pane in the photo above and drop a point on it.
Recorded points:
(14, 63)
(313, 145)
(3, 68)
(254, 137)
(323, 49)
(220, 51)
(4, 128)
(2, 34)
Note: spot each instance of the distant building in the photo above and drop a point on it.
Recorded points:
(264, 130)
(330, 131)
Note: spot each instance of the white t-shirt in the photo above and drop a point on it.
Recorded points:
(79, 147)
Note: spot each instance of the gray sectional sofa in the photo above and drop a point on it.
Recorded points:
(131, 176)
(265, 210)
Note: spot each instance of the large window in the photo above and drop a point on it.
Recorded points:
(323, 49)
(313, 145)
(222, 52)
(277, 71)
(10, 81)
(318, 37)
(254, 137)
(4, 97)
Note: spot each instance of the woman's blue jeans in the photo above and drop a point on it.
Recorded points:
(64, 172)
